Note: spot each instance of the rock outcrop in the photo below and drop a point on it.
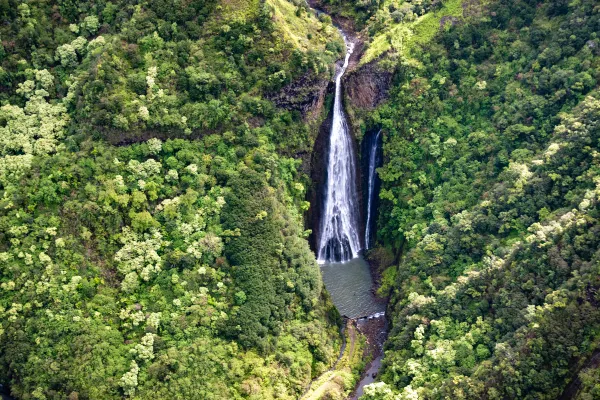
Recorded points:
(367, 86)
(305, 95)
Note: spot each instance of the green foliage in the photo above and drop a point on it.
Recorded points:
(175, 269)
(178, 73)
(34, 129)
(490, 181)
(359, 12)
(400, 26)
(134, 257)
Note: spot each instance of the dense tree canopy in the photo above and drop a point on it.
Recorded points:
(174, 265)
(490, 187)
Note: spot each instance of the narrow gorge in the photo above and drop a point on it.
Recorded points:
(347, 222)
(343, 233)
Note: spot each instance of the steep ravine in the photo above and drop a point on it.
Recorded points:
(363, 88)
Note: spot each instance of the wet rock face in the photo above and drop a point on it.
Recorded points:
(318, 175)
(305, 95)
(371, 147)
(367, 86)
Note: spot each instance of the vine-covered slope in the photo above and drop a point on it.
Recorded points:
(151, 238)
(174, 265)
(490, 186)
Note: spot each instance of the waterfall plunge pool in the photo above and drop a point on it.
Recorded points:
(349, 284)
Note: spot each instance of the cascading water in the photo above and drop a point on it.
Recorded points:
(373, 161)
(340, 239)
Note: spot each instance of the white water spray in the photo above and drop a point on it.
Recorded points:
(371, 188)
(340, 239)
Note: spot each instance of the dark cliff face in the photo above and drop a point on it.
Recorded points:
(360, 188)
(367, 86)
(305, 95)
(318, 176)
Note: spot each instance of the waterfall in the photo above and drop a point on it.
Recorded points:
(371, 187)
(340, 239)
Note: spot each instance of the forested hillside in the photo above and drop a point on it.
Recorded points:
(154, 176)
(151, 238)
(490, 191)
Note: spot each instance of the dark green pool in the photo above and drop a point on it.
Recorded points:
(349, 285)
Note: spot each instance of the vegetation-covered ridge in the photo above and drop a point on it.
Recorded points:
(394, 28)
(132, 71)
(490, 186)
(176, 266)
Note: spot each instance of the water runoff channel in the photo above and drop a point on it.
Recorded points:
(339, 248)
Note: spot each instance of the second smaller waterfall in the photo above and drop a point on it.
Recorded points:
(374, 161)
